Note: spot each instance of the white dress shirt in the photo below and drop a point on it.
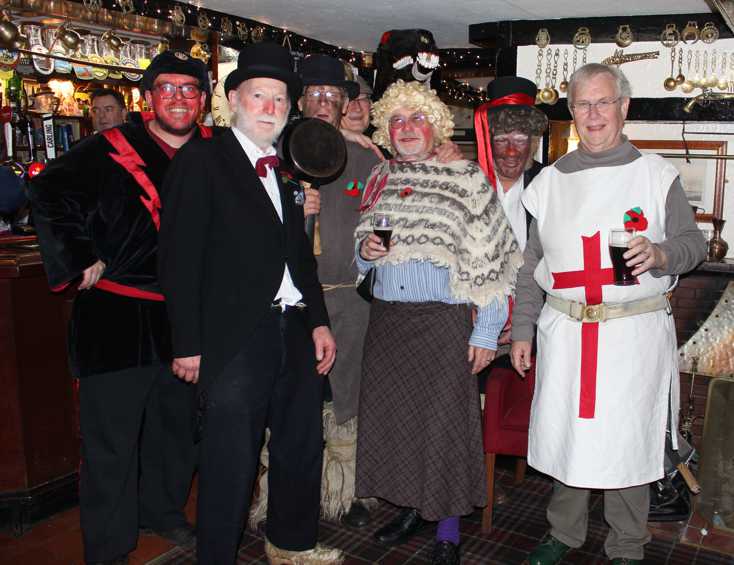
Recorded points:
(514, 210)
(288, 294)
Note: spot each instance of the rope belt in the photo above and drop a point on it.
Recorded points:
(328, 287)
(602, 312)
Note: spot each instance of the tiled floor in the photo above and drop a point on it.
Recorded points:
(58, 541)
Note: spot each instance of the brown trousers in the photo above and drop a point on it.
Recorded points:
(625, 510)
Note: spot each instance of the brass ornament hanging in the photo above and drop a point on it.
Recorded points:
(670, 37)
(709, 33)
(93, 6)
(624, 37)
(203, 21)
(690, 33)
(226, 27)
(178, 17)
(126, 6)
(563, 87)
(680, 77)
(669, 83)
(242, 31)
(542, 38)
(582, 38)
(257, 34)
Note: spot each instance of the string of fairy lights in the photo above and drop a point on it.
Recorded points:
(242, 30)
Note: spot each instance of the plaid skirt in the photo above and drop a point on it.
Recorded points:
(419, 441)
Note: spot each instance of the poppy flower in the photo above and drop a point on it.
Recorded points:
(407, 191)
(634, 219)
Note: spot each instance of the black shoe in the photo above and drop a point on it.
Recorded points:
(401, 529)
(183, 536)
(446, 553)
(358, 516)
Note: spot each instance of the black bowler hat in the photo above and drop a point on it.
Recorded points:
(502, 87)
(322, 70)
(177, 63)
(264, 60)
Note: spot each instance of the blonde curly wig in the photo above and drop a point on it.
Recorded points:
(417, 97)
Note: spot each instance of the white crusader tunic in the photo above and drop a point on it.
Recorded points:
(622, 445)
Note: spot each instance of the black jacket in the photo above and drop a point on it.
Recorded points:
(223, 250)
(87, 207)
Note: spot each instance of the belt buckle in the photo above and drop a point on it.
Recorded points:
(594, 313)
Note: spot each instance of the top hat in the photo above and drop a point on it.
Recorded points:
(264, 60)
(177, 63)
(502, 87)
(322, 70)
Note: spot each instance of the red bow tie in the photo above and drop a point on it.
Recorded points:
(269, 161)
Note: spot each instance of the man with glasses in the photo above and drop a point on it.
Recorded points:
(97, 212)
(607, 379)
(357, 116)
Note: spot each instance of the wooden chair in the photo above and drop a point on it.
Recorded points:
(506, 419)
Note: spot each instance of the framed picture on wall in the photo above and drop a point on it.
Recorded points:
(702, 175)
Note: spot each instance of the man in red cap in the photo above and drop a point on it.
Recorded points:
(249, 320)
(97, 212)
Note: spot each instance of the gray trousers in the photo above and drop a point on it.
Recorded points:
(625, 510)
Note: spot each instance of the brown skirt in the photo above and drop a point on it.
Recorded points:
(419, 437)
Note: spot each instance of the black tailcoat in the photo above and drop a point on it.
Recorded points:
(223, 250)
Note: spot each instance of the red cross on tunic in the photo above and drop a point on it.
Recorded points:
(592, 277)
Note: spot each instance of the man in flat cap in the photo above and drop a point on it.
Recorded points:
(249, 320)
(97, 212)
(357, 115)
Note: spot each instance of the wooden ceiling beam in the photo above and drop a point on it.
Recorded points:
(603, 30)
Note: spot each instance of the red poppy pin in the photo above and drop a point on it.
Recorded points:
(407, 191)
(634, 219)
(354, 188)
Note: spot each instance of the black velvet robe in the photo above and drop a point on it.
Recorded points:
(86, 207)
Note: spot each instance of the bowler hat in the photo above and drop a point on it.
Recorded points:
(322, 70)
(177, 63)
(507, 86)
(264, 60)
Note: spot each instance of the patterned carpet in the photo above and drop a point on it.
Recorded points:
(518, 526)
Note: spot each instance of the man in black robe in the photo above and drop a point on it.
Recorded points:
(97, 212)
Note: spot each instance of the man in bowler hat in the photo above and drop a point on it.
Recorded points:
(249, 321)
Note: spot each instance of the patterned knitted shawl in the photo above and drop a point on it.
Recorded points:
(445, 213)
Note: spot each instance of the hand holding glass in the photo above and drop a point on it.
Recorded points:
(382, 227)
(618, 244)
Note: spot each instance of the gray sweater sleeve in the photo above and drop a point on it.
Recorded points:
(529, 297)
(684, 245)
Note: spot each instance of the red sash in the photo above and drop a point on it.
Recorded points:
(130, 160)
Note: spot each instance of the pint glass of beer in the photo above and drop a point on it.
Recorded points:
(618, 244)
(382, 227)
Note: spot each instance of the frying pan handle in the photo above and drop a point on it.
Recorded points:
(310, 226)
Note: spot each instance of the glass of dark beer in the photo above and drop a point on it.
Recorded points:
(618, 244)
(382, 226)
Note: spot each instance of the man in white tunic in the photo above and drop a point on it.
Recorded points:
(606, 369)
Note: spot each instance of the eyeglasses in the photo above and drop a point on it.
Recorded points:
(363, 98)
(601, 106)
(330, 96)
(168, 90)
(416, 120)
(504, 141)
